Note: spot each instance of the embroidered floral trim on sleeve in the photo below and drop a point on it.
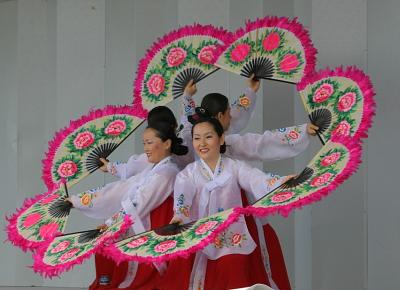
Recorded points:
(230, 239)
(182, 209)
(243, 102)
(291, 136)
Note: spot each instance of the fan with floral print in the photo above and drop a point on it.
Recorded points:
(330, 167)
(176, 58)
(64, 252)
(339, 101)
(270, 48)
(76, 150)
(172, 240)
(39, 219)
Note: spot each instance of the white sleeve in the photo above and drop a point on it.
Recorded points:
(149, 196)
(184, 192)
(272, 145)
(241, 111)
(135, 164)
(255, 182)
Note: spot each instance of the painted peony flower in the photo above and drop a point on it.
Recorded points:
(204, 228)
(176, 56)
(240, 52)
(206, 54)
(62, 246)
(282, 196)
(115, 128)
(165, 246)
(31, 220)
(48, 230)
(156, 84)
(271, 41)
(342, 129)
(68, 255)
(346, 102)
(321, 180)
(137, 243)
(83, 140)
(289, 63)
(330, 159)
(323, 93)
(67, 168)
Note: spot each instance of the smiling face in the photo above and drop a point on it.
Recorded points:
(206, 142)
(155, 149)
(225, 118)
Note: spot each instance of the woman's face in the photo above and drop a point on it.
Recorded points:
(155, 149)
(206, 141)
(225, 119)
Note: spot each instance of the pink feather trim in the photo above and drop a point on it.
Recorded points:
(364, 83)
(185, 31)
(291, 25)
(48, 271)
(60, 136)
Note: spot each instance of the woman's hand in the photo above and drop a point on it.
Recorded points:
(312, 129)
(102, 227)
(190, 89)
(105, 163)
(175, 220)
(68, 200)
(253, 84)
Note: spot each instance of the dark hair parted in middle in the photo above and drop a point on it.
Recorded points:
(202, 116)
(215, 103)
(165, 132)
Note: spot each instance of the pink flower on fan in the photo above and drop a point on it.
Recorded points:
(49, 198)
(330, 159)
(346, 102)
(271, 41)
(206, 54)
(293, 135)
(115, 128)
(289, 63)
(282, 196)
(236, 239)
(137, 243)
(68, 255)
(31, 220)
(48, 230)
(240, 52)
(62, 246)
(321, 180)
(83, 140)
(176, 56)
(67, 168)
(323, 93)
(342, 129)
(204, 228)
(104, 238)
(165, 246)
(156, 84)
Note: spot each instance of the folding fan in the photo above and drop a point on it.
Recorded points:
(76, 150)
(270, 48)
(64, 252)
(333, 164)
(40, 218)
(179, 56)
(171, 240)
(339, 101)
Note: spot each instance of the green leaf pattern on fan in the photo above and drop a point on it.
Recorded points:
(150, 244)
(342, 97)
(69, 160)
(35, 223)
(327, 164)
(67, 248)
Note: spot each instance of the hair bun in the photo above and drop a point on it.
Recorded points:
(200, 113)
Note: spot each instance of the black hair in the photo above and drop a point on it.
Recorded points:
(162, 114)
(215, 103)
(164, 131)
(202, 116)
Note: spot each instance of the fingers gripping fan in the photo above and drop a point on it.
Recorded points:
(175, 59)
(339, 101)
(76, 150)
(172, 240)
(332, 165)
(39, 219)
(270, 48)
(64, 252)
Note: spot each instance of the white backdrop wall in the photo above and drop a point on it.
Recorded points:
(59, 58)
